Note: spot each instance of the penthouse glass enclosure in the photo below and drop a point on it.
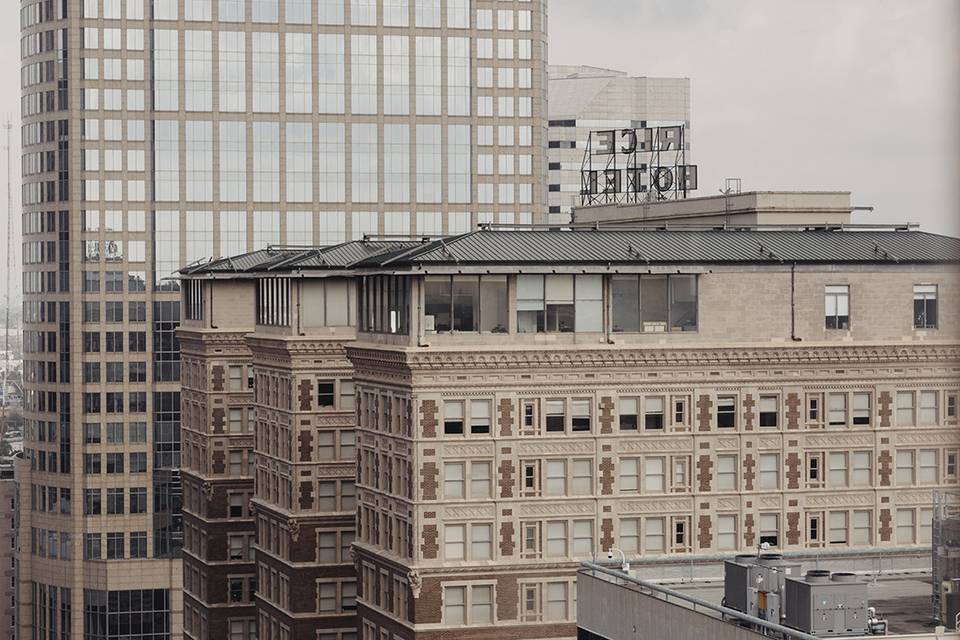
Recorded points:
(539, 303)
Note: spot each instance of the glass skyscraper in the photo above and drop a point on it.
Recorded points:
(158, 133)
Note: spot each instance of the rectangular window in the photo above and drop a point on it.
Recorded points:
(629, 413)
(861, 409)
(580, 415)
(653, 413)
(837, 409)
(454, 541)
(556, 539)
(479, 416)
(906, 522)
(726, 473)
(481, 480)
(629, 474)
(556, 415)
(813, 408)
(453, 417)
(769, 477)
(838, 527)
(654, 475)
(837, 306)
(769, 411)
(481, 541)
(726, 412)
(927, 468)
(860, 530)
(455, 605)
(925, 306)
(929, 413)
(582, 477)
(679, 412)
(556, 478)
(905, 416)
(770, 529)
(727, 532)
(837, 471)
(905, 464)
(453, 480)
(583, 538)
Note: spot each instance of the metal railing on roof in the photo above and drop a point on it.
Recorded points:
(665, 225)
(655, 590)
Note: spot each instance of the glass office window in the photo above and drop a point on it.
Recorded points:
(396, 163)
(166, 91)
(459, 155)
(166, 135)
(233, 161)
(266, 161)
(266, 72)
(363, 70)
(299, 92)
(396, 75)
(428, 75)
(365, 179)
(429, 169)
(332, 162)
(198, 70)
(299, 162)
(331, 61)
(198, 140)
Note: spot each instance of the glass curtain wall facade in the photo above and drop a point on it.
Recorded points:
(160, 132)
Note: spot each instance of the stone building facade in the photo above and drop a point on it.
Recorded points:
(527, 400)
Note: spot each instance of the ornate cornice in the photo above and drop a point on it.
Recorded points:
(375, 360)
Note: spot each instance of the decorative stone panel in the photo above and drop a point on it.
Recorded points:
(218, 463)
(428, 418)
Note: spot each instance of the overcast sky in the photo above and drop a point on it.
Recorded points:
(862, 95)
(858, 95)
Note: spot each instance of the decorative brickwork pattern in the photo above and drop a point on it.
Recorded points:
(885, 467)
(507, 545)
(218, 420)
(219, 466)
(748, 473)
(429, 547)
(704, 537)
(748, 534)
(704, 473)
(793, 411)
(305, 396)
(606, 414)
(793, 471)
(606, 476)
(793, 527)
(217, 377)
(885, 530)
(306, 446)
(505, 417)
(428, 418)
(606, 534)
(506, 479)
(306, 494)
(885, 408)
(748, 414)
(704, 408)
(428, 480)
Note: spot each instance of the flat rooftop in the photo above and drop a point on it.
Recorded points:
(903, 601)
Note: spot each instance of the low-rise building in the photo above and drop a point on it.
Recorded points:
(522, 401)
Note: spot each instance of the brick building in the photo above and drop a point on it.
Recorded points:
(525, 400)
(9, 509)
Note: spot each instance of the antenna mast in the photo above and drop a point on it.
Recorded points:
(6, 293)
